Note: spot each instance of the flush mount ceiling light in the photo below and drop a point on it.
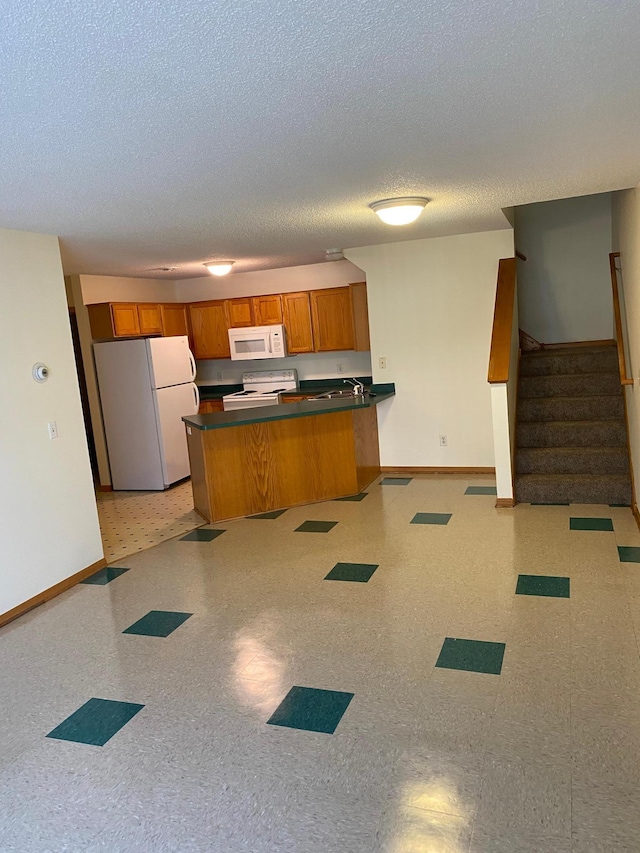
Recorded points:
(399, 211)
(219, 267)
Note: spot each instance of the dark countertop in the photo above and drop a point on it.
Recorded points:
(305, 386)
(284, 411)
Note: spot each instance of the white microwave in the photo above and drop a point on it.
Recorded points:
(253, 342)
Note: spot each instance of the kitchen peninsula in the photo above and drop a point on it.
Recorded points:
(262, 459)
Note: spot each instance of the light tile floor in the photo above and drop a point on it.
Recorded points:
(133, 521)
(542, 758)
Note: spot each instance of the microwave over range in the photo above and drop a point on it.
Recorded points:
(253, 342)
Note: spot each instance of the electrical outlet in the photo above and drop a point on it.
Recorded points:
(53, 429)
(382, 363)
(443, 441)
(339, 367)
(219, 376)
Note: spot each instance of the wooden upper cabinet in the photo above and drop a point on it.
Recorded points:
(174, 319)
(126, 321)
(209, 329)
(360, 316)
(332, 318)
(149, 319)
(267, 310)
(297, 320)
(109, 320)
(240, 312)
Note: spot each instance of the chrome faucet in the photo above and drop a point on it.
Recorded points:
(358, 387)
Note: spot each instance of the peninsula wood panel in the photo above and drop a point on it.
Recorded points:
(367, 448)
(255, 468)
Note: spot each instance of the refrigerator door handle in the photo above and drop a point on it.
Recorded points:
(193, 365)
(196, 394)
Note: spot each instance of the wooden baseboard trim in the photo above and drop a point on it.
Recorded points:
(636, 513)
(105, 488)
(505, 503)
(605, 343)
(50, 593)
(436, 470)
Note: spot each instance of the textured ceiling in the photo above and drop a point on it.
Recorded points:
(148, 133)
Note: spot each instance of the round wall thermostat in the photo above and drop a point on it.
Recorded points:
(40, 372)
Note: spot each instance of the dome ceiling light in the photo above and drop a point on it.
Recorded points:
(220, 267)
(399, 211)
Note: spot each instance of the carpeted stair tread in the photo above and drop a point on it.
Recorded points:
(573, 488)
(609, 433)
(572, 360)
(571, 433)
(570, 385)
(586, 408)
(572, 460)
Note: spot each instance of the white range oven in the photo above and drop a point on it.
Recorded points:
(261, 388)
(252, 342)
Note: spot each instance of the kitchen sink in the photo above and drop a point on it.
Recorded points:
(330, 395)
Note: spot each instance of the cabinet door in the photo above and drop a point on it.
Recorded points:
(267, 310)
(360, 316)
(240, 312)
(332, 319)
(125, 319)
(297, 321)
(150, 319)
(209, 406)
(174, 319)
(209, 328)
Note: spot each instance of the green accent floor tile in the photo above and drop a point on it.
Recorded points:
(104, 576)
(158, 623)
(316, 526)
(311, 709)
(276, 513)
(431, 518)
(591, 524)
(471, 656)
(357, 572)
(96, 722)
(202, 534)
(628, 554)
(481, 490)
(395, 481)
(359, 497)
(546, 585)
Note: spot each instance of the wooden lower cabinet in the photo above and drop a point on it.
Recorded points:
(209, 406)
(251, 468)
(210, 330)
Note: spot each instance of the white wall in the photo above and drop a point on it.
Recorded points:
(431, 312)
(564, 285)
(626, 240)
(286, 280)
(111, 288)
(48, 523)
(313, 365)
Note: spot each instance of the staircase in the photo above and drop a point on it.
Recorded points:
(571, 430)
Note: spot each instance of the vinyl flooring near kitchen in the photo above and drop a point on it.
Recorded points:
(412, 671)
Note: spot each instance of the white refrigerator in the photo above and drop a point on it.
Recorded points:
(146, 386)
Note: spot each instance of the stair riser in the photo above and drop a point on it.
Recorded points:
(547, 364)
(586, 385)
(570, 409)
(588, 493)
(580, 434)
(562, 461)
